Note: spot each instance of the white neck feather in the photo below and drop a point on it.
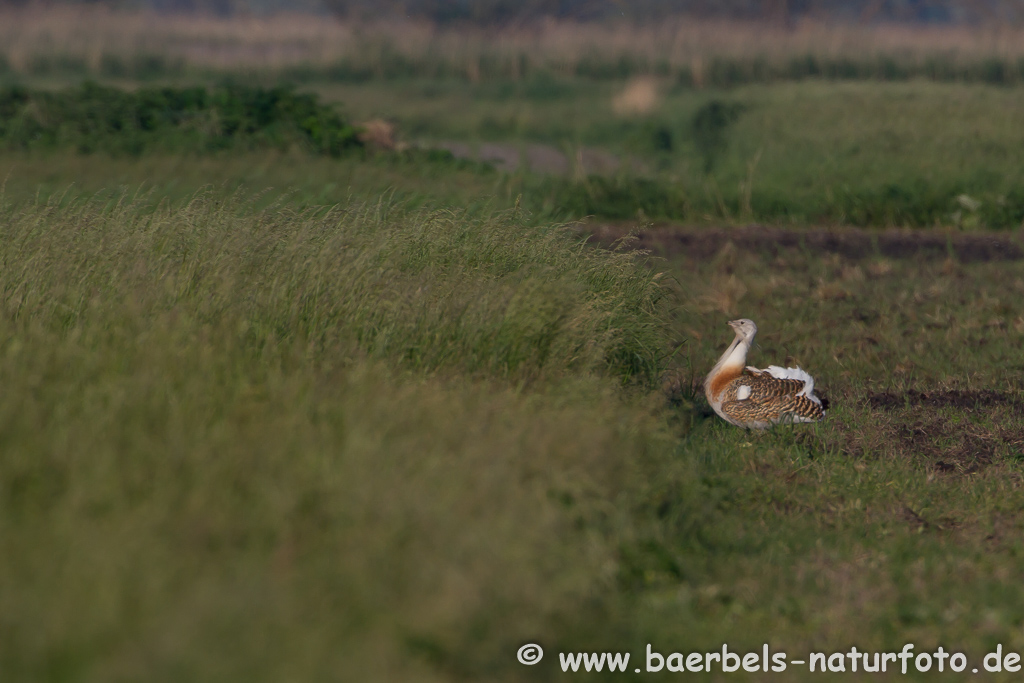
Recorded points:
(735, 357)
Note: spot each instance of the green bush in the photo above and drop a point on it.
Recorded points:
(93, 118)
(709, 127)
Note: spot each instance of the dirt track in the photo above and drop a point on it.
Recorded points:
(541, 158)
(852, 243)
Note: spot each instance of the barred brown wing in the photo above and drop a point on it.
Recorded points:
(774, 410)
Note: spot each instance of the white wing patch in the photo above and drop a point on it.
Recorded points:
(743, 393)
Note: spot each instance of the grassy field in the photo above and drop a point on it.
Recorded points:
(247, 443)
(864, 153)
(277, 411)
(916, 154)
(894, 520)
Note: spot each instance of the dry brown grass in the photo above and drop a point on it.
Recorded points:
(640, 96)
(280, 41)
(379, 134)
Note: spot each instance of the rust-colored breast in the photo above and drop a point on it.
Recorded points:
(722, 380)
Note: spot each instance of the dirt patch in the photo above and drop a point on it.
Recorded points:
(851, 243)
(912, 427)
(949, 450)
(540, 158)
(950, 432)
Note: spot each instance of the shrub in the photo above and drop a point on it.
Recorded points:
(94, 118)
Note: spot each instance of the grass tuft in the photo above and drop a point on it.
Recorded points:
(431, 290)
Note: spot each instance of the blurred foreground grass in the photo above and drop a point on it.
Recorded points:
(254, 444)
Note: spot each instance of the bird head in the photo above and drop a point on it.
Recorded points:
(744, 327)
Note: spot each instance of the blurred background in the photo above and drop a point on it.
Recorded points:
(879, 111)
(504, 11)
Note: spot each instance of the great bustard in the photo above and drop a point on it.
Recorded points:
(756, 399)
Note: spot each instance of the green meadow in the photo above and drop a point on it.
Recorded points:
(280, 402)
(866, 153)
(869, 154)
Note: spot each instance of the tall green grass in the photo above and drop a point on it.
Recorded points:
(347, 442)
(429, 290)
(264, 176)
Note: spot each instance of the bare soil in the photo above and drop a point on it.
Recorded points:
(964, 400)
(539, 158)
(851, 243)
(923, 428)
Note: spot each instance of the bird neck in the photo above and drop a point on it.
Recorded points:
(734, 358)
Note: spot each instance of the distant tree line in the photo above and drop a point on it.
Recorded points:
(781, 11)
(505, 12)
